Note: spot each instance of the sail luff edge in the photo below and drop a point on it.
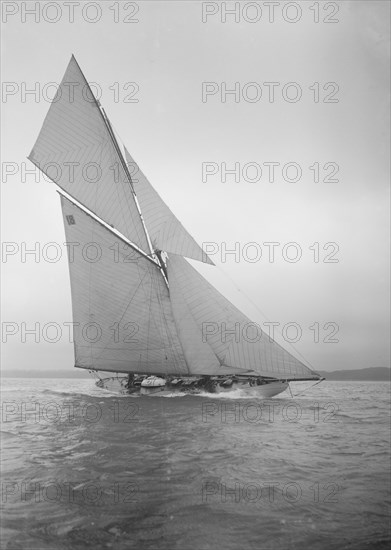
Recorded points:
(138, 207)
(108, 125)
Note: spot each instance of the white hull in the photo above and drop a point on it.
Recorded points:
(265, 391)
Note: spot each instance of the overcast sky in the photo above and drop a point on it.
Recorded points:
(170, 50)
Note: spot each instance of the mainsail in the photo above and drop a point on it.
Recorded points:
(133, 313)
(120, 302)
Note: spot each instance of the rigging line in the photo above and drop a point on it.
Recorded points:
(170, 337)
(162, 319)
(125, 220)
(116, 147)
(149, 287)
(263, 315)
(128, 178)
(128, 175)
(189, 311)
(105, 347)
(93, 373)
(153, 252)
(89, 291)
(306, 389)
(170, 340)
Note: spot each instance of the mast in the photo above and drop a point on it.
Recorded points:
(153, 252)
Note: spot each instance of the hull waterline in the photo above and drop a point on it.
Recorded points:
(243, 388)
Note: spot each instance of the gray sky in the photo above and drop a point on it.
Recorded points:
(171, 132)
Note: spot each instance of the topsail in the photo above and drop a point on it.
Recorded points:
(74, 149)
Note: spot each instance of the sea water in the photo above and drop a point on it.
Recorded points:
(84, 468)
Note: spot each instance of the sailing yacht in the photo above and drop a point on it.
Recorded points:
(142, 314)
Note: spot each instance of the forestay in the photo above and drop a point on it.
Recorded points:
(234, 339)
(120, 303)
